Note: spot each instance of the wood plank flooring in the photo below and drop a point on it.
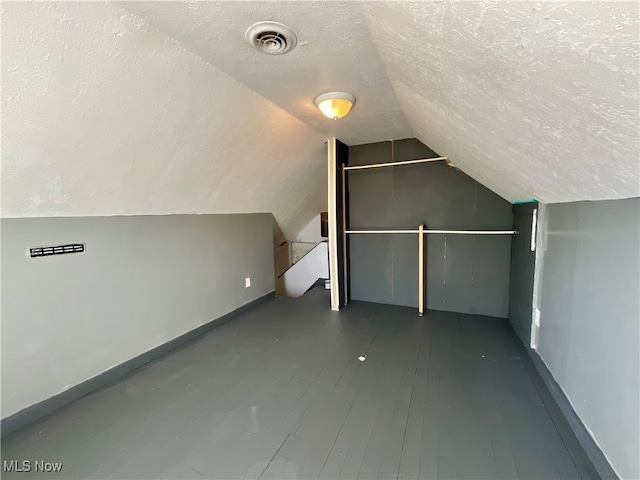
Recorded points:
(279, 392)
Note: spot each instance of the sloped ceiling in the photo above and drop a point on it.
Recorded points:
(533, 100)
(162, 107)
(335, 52)
(104, 115)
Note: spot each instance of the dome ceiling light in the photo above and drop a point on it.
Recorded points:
(335, 104)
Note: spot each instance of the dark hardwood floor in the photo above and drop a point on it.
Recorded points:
(280, 392)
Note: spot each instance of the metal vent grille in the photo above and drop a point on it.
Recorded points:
(271, 38)
(57, 250)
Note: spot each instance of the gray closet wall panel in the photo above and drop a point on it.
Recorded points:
(370, 258)
(491, 270)
(419, 195)
(370, 153)
(458, 276)
(492, 211)
(384, 267)
(409, 149)
(460, 211)
(370, 199)
(405, 269)
(434, 267)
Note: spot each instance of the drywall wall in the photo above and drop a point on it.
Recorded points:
(522, 272)
(142, 281)
(311, 233)
(103, 114)
(305, 273)
(299, 250)
(465, 273)
(589, 335)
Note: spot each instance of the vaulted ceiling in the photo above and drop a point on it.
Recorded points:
(162, 107)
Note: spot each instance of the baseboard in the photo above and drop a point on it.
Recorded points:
(588, 444)
(45, 407)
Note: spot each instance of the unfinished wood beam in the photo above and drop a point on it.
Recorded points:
(421, 270)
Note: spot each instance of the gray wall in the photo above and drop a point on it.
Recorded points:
(522, 272)
(589, 335)
(468, 274)
(142, 281)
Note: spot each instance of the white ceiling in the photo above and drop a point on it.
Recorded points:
(335, 52)
(161, 107)
(534, 100)
(104, 115)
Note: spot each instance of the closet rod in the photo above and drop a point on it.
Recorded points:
(461, 232)
(390, 164)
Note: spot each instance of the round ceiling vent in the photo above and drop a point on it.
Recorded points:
(271, 38)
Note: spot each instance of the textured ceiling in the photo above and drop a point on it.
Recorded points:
(334, 52)
(534, 100)
(104, 115)
(161, 107)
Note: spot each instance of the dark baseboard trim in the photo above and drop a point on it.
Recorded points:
(45, 407)
(591, 449)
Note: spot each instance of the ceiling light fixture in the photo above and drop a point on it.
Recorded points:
(335, 104)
